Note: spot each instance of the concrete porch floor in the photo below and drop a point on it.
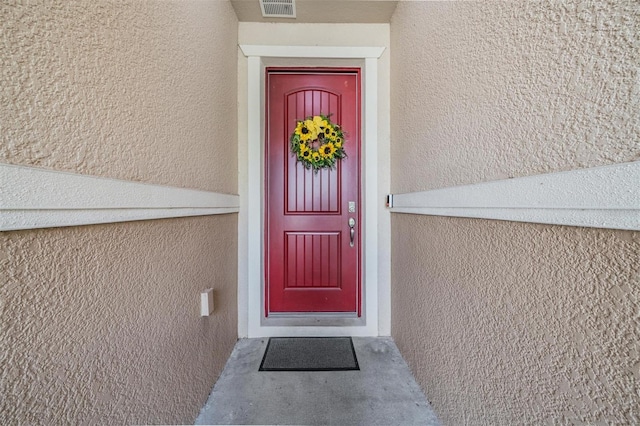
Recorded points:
(383, 392)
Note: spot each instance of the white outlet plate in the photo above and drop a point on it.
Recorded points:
(206, 302)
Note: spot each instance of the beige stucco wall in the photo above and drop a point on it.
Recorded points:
(125, 89)
(506, 89)
(502, 322)
(101, 324)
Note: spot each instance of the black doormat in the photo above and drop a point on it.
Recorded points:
(309, 354)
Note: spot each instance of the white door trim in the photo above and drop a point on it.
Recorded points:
(250, 219)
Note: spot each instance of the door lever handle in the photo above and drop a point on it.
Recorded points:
(352, 231)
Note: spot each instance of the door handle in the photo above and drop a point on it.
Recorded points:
(352, 230)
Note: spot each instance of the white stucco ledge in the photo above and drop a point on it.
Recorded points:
(598, 197)
(32, 198)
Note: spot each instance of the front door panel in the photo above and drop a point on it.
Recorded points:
(312, 265)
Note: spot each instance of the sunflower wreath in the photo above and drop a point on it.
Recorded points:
(318, 143)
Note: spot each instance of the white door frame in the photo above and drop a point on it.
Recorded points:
(251, 216)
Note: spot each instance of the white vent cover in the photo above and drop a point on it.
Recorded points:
(278, 8)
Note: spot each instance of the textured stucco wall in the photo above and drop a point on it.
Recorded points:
(492, 90)
(101, 324)
(512, 323)
(509, 323)
(124, 89)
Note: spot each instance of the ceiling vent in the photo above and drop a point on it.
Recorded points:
(278, 8)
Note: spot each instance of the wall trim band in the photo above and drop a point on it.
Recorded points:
(33, 198)
(598, 197)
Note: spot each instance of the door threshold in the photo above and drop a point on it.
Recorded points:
(313, 319)
(313, 315)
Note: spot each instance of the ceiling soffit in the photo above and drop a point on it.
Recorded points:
(323, 11)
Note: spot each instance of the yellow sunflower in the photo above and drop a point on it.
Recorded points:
(327, 150)
(338, 145)
(306, 133)
(304, 151)
(326, 131)
(315, 156)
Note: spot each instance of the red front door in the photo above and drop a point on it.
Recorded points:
(312, 262)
